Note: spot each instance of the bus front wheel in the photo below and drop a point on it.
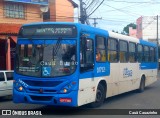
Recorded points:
(142, 85)
(100, 96)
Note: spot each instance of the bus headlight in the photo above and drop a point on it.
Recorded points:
(67, 88)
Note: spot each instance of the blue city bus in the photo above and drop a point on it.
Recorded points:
(71, 64)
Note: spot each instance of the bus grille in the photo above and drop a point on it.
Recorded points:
(41, 98)
(42, 83)
(32, 90)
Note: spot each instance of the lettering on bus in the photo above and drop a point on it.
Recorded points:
(23, 84)
(127, 73)
(101, 69)
(61, 63)
(57, 31)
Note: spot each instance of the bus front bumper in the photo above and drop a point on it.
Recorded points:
(69, 99)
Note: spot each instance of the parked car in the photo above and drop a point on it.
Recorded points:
(6, 82)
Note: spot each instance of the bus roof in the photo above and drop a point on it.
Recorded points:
(41, 23)
(131, 39)
(86, 28)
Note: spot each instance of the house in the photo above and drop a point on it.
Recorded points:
(14, 13)
(147, 28)
(132, 32)
(60, 11)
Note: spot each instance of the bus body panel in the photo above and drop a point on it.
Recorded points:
(119, 77)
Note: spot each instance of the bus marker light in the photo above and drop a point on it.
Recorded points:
(67, 100)
(20, 88)
(73, 83)
(65, 90)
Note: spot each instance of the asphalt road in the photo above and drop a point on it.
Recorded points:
(149, 99)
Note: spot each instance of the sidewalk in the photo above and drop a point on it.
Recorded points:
(158, 75)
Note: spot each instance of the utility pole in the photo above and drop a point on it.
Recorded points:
(95, 23)
(84, 16)
(82, 13)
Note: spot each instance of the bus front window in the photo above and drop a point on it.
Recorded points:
(58, 59)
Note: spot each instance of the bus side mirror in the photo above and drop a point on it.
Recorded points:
(83, 41)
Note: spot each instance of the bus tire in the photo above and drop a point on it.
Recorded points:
(142, 85)
(100, 96)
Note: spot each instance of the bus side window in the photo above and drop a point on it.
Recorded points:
(132, 52)
(86, 55)
(152, 54)
(112, 50)
(100, 49)
(146, 54)
(140, 53)
(123, 51)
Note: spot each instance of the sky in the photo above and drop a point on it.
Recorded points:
(116, 14)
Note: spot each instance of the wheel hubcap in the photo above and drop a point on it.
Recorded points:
(98, 96)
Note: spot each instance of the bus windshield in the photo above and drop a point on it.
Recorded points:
(46, 60)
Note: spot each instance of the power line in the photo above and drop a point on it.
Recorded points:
(130, 2)
(126, 12)
(37, 18)
(26, 13)
(90, 4)
(122, 8)
(115, 20)
(91, 8)
(96, 8)
(87, 2)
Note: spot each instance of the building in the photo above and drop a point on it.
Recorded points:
(132, 32)
(147, 28)
(14, 13)
(60, 10)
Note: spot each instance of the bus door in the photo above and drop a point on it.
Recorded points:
(86, 81)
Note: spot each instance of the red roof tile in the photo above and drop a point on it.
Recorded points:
(6, 28)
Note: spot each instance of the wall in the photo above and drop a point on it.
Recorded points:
(148, 28)
(132, 32)
(61, 11)
(64, 11)
(32, 14)
(139, 27)
(9, 28)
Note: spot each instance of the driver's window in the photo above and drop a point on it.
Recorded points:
(86, 54)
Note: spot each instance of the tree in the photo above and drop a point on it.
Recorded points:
(126, 29)
(115, 31)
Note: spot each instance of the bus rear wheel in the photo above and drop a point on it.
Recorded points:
(100, 96)
(142, 85)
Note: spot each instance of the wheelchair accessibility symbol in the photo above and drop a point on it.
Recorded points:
(46, 71)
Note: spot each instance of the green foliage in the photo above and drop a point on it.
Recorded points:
(126, 29)
(115, 31)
